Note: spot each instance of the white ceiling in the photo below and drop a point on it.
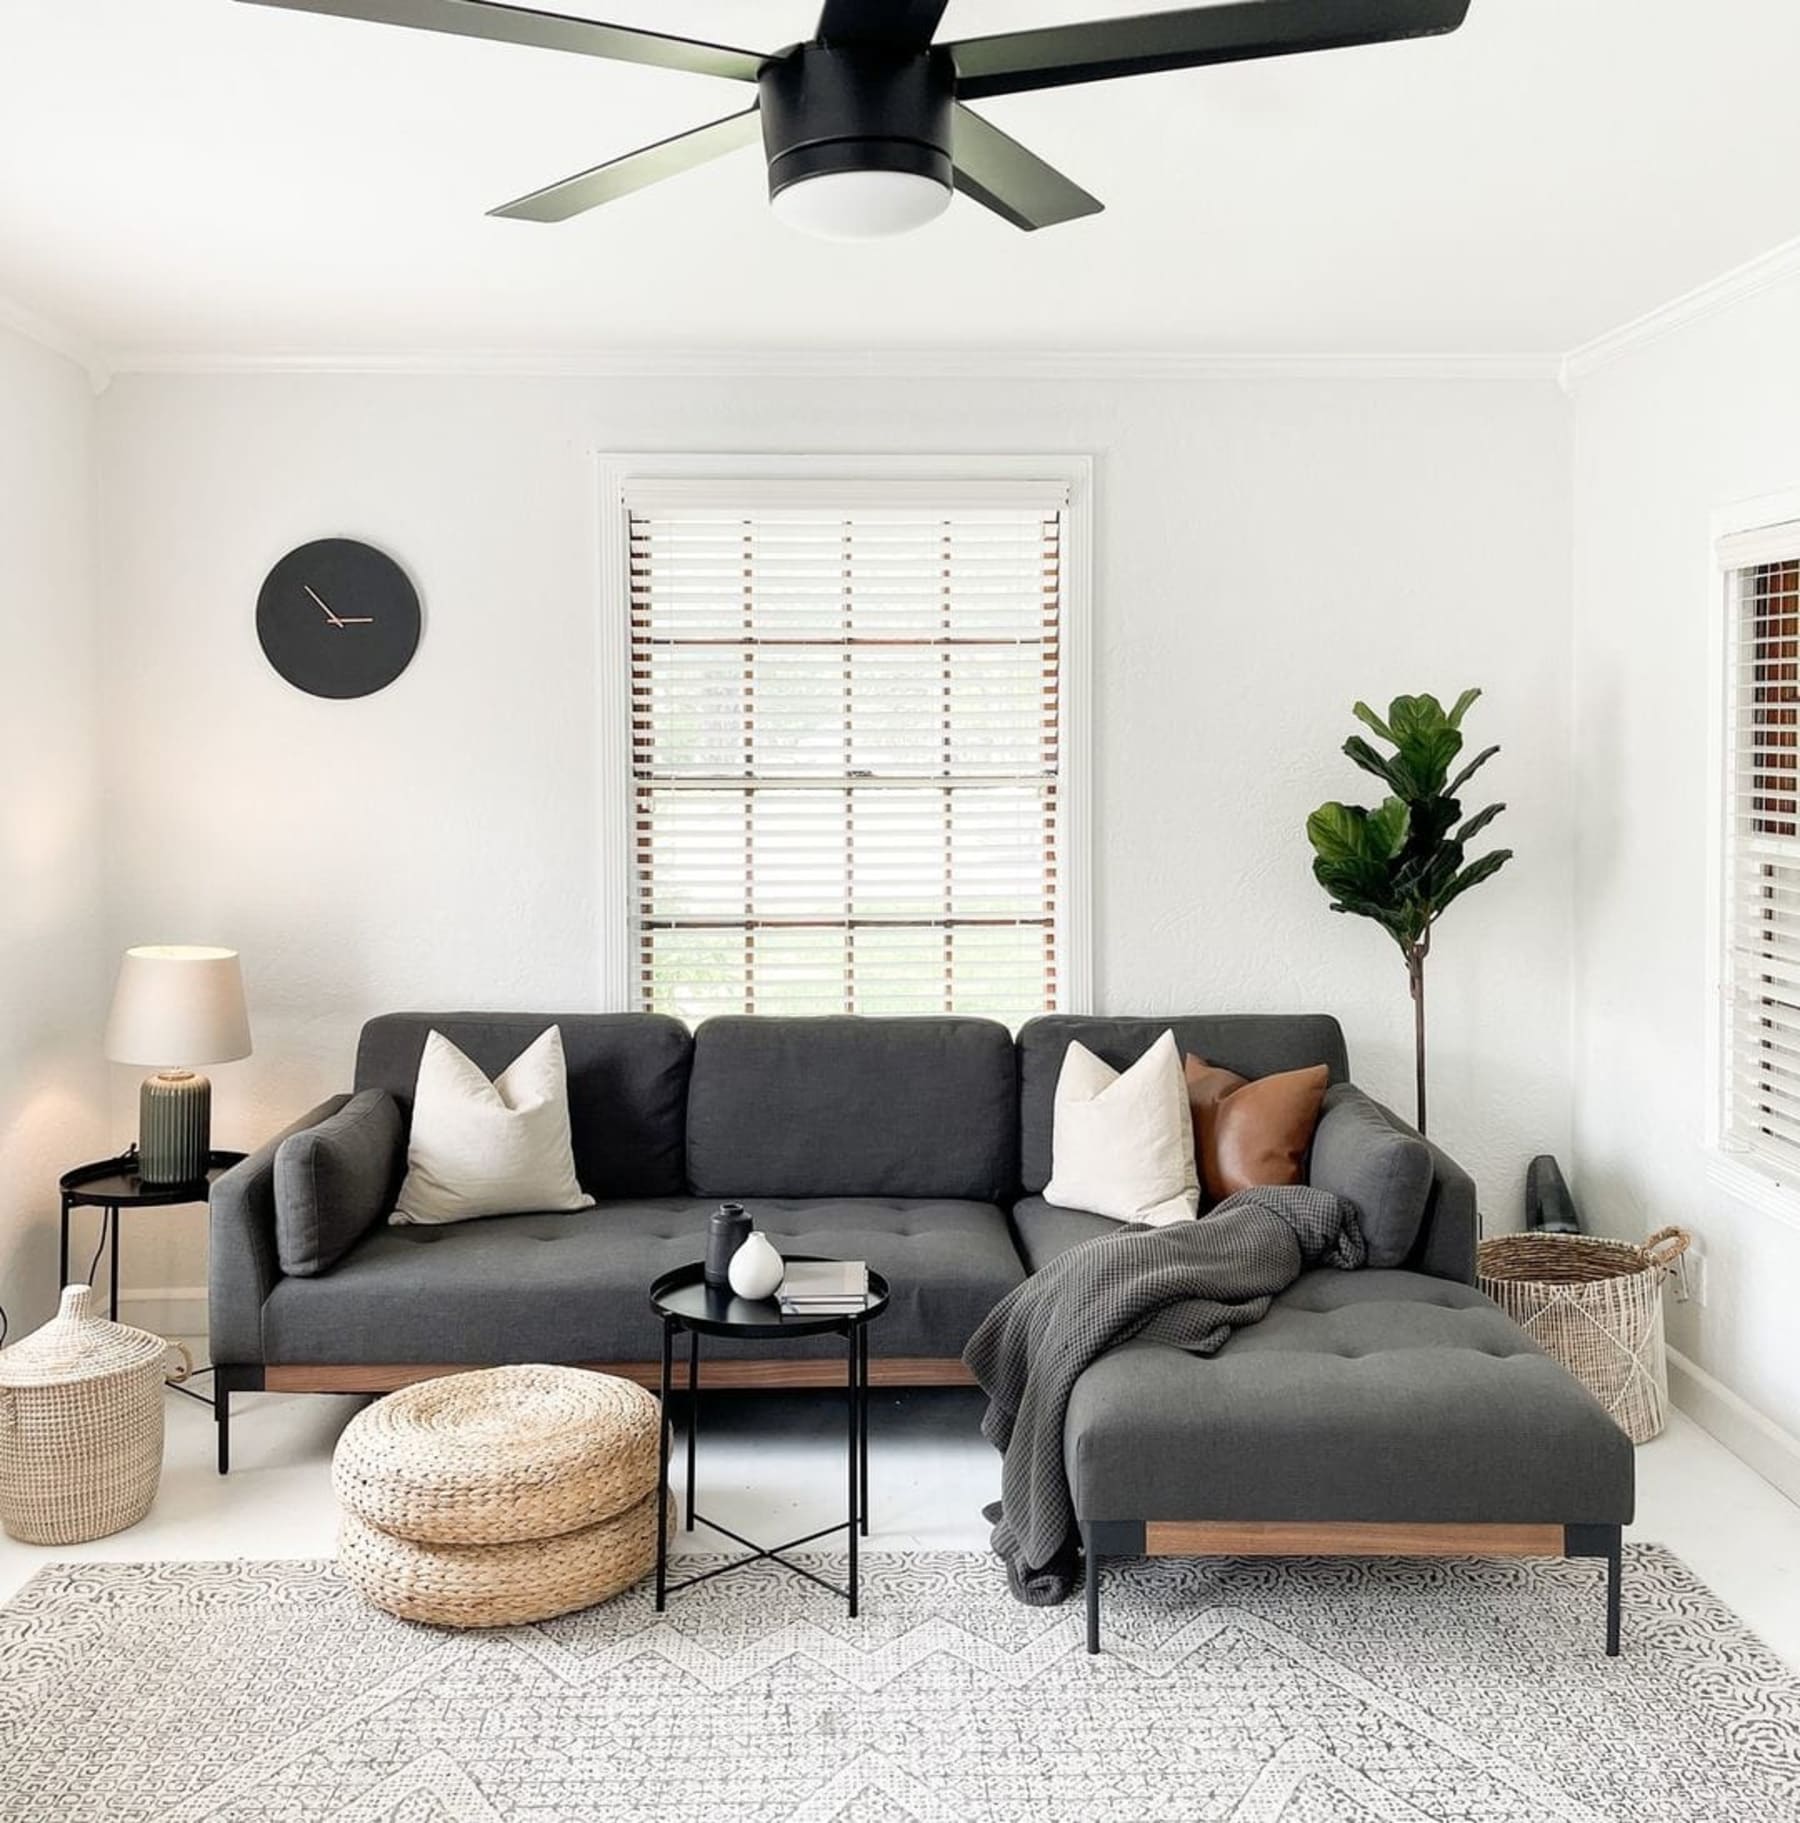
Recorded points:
(200, 176)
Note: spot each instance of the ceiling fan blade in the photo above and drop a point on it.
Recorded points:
(547, 31)
(620, 176)
(900, 25)
(1099, 49)
(1002, 175)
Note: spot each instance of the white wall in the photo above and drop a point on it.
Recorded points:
(51, 989)
(1266, 553)
(1705, 417)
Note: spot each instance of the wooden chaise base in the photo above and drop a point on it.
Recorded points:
(1279, 1538)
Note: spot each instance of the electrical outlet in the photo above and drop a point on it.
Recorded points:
(1690, 1278)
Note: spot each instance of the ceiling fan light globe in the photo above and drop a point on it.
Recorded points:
(861, 205)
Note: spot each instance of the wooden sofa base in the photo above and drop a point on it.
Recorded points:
(387, 1377)
(899, 1371)
(1282, 1538)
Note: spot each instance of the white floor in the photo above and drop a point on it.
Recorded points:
(772, 1466)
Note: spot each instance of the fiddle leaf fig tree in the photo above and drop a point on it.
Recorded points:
(1405, 862)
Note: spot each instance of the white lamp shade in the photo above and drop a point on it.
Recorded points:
(178, 1004)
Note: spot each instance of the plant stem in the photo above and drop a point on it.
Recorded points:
(1415, 976)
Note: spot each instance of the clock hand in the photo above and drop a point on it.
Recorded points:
(314, 593)
(355, 620)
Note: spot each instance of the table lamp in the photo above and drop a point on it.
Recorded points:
(176, 1005)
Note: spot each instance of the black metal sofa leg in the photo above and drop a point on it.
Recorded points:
(1091, 1587)
(1607, 1541)
(222, 1420)
(1614, 1594)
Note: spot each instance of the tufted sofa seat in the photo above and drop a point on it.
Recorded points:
(572, 1286)
(1362, 1396)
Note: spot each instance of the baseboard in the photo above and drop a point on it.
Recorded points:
(1773, 1452)
(177, 1312)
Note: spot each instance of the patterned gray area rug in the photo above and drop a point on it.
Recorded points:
(1242, 1691)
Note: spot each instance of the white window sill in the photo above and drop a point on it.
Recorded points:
(1756, 1183)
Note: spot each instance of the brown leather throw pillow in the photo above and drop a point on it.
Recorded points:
(1252, 1131)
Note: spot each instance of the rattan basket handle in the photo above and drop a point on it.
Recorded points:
(1667, 1245)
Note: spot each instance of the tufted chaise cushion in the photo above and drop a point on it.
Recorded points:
(1374, 1396)
(574, 1286)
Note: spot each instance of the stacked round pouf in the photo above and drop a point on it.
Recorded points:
(500, 1497)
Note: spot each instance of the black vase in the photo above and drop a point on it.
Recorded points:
(728, 1230)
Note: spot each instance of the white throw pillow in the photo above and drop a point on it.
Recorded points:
(1123, 1145)
(489, 1148)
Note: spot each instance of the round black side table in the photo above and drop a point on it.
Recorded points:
(113, 1184)
(683, 1301)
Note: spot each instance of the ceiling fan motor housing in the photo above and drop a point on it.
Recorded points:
(828, 109)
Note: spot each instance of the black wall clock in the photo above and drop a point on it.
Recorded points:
(338, 618)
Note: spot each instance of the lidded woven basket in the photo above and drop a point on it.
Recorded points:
(1595, 1306)
(81, 1426)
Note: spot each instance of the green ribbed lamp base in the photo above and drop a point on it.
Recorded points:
(174, 1127)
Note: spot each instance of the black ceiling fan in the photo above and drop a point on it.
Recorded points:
(866, 127)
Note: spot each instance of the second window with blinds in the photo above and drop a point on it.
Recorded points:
(847, 746)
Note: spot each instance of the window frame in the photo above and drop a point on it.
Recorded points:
(1750, 1175)
(616, 960)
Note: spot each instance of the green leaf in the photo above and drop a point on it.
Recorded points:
(1413, 717)
(1483, 868)
(1369, 760)
(1462, 707)
(1388, 827)
(1347, 834)
(1478, 822)
(1370, 719)
(1469, 771)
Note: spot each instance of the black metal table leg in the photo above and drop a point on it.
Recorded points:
(693, 1417)
(62, 1269)
(852, 1404)
(862, 1419)
(111, 1232)
(662, 1470)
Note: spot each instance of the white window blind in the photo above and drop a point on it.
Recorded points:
(1761, 1073)
(846, 717)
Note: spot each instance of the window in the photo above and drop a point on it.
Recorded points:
(1760, 1077)
(848, 745)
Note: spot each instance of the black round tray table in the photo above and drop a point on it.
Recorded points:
(683, 1300)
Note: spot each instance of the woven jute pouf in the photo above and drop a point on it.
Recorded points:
(499, 1585)
(499, 1455)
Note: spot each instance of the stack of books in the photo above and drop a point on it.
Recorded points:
(824, 1288)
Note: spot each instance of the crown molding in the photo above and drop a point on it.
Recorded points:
(964, 364)
(57, 340)
(1776, 267)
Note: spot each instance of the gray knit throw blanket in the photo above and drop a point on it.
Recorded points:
(1189, 1285)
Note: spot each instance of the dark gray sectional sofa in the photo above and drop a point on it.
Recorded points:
(1393, 1409)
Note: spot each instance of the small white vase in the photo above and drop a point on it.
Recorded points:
(756, 1269)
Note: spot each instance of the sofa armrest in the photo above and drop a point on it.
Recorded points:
(1350, 1158)
(242, 1264)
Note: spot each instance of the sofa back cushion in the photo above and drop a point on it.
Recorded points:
(628, 1083)
(1252, 1044)
(844, 1106)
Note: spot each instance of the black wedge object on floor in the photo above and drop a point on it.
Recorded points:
(865, 126)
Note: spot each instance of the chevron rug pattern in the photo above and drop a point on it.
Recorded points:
(1240, 1691)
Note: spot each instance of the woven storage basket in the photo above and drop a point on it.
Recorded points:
(499, 1455)
(81, 1426)
(500, 1585)
(1595, 1306)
